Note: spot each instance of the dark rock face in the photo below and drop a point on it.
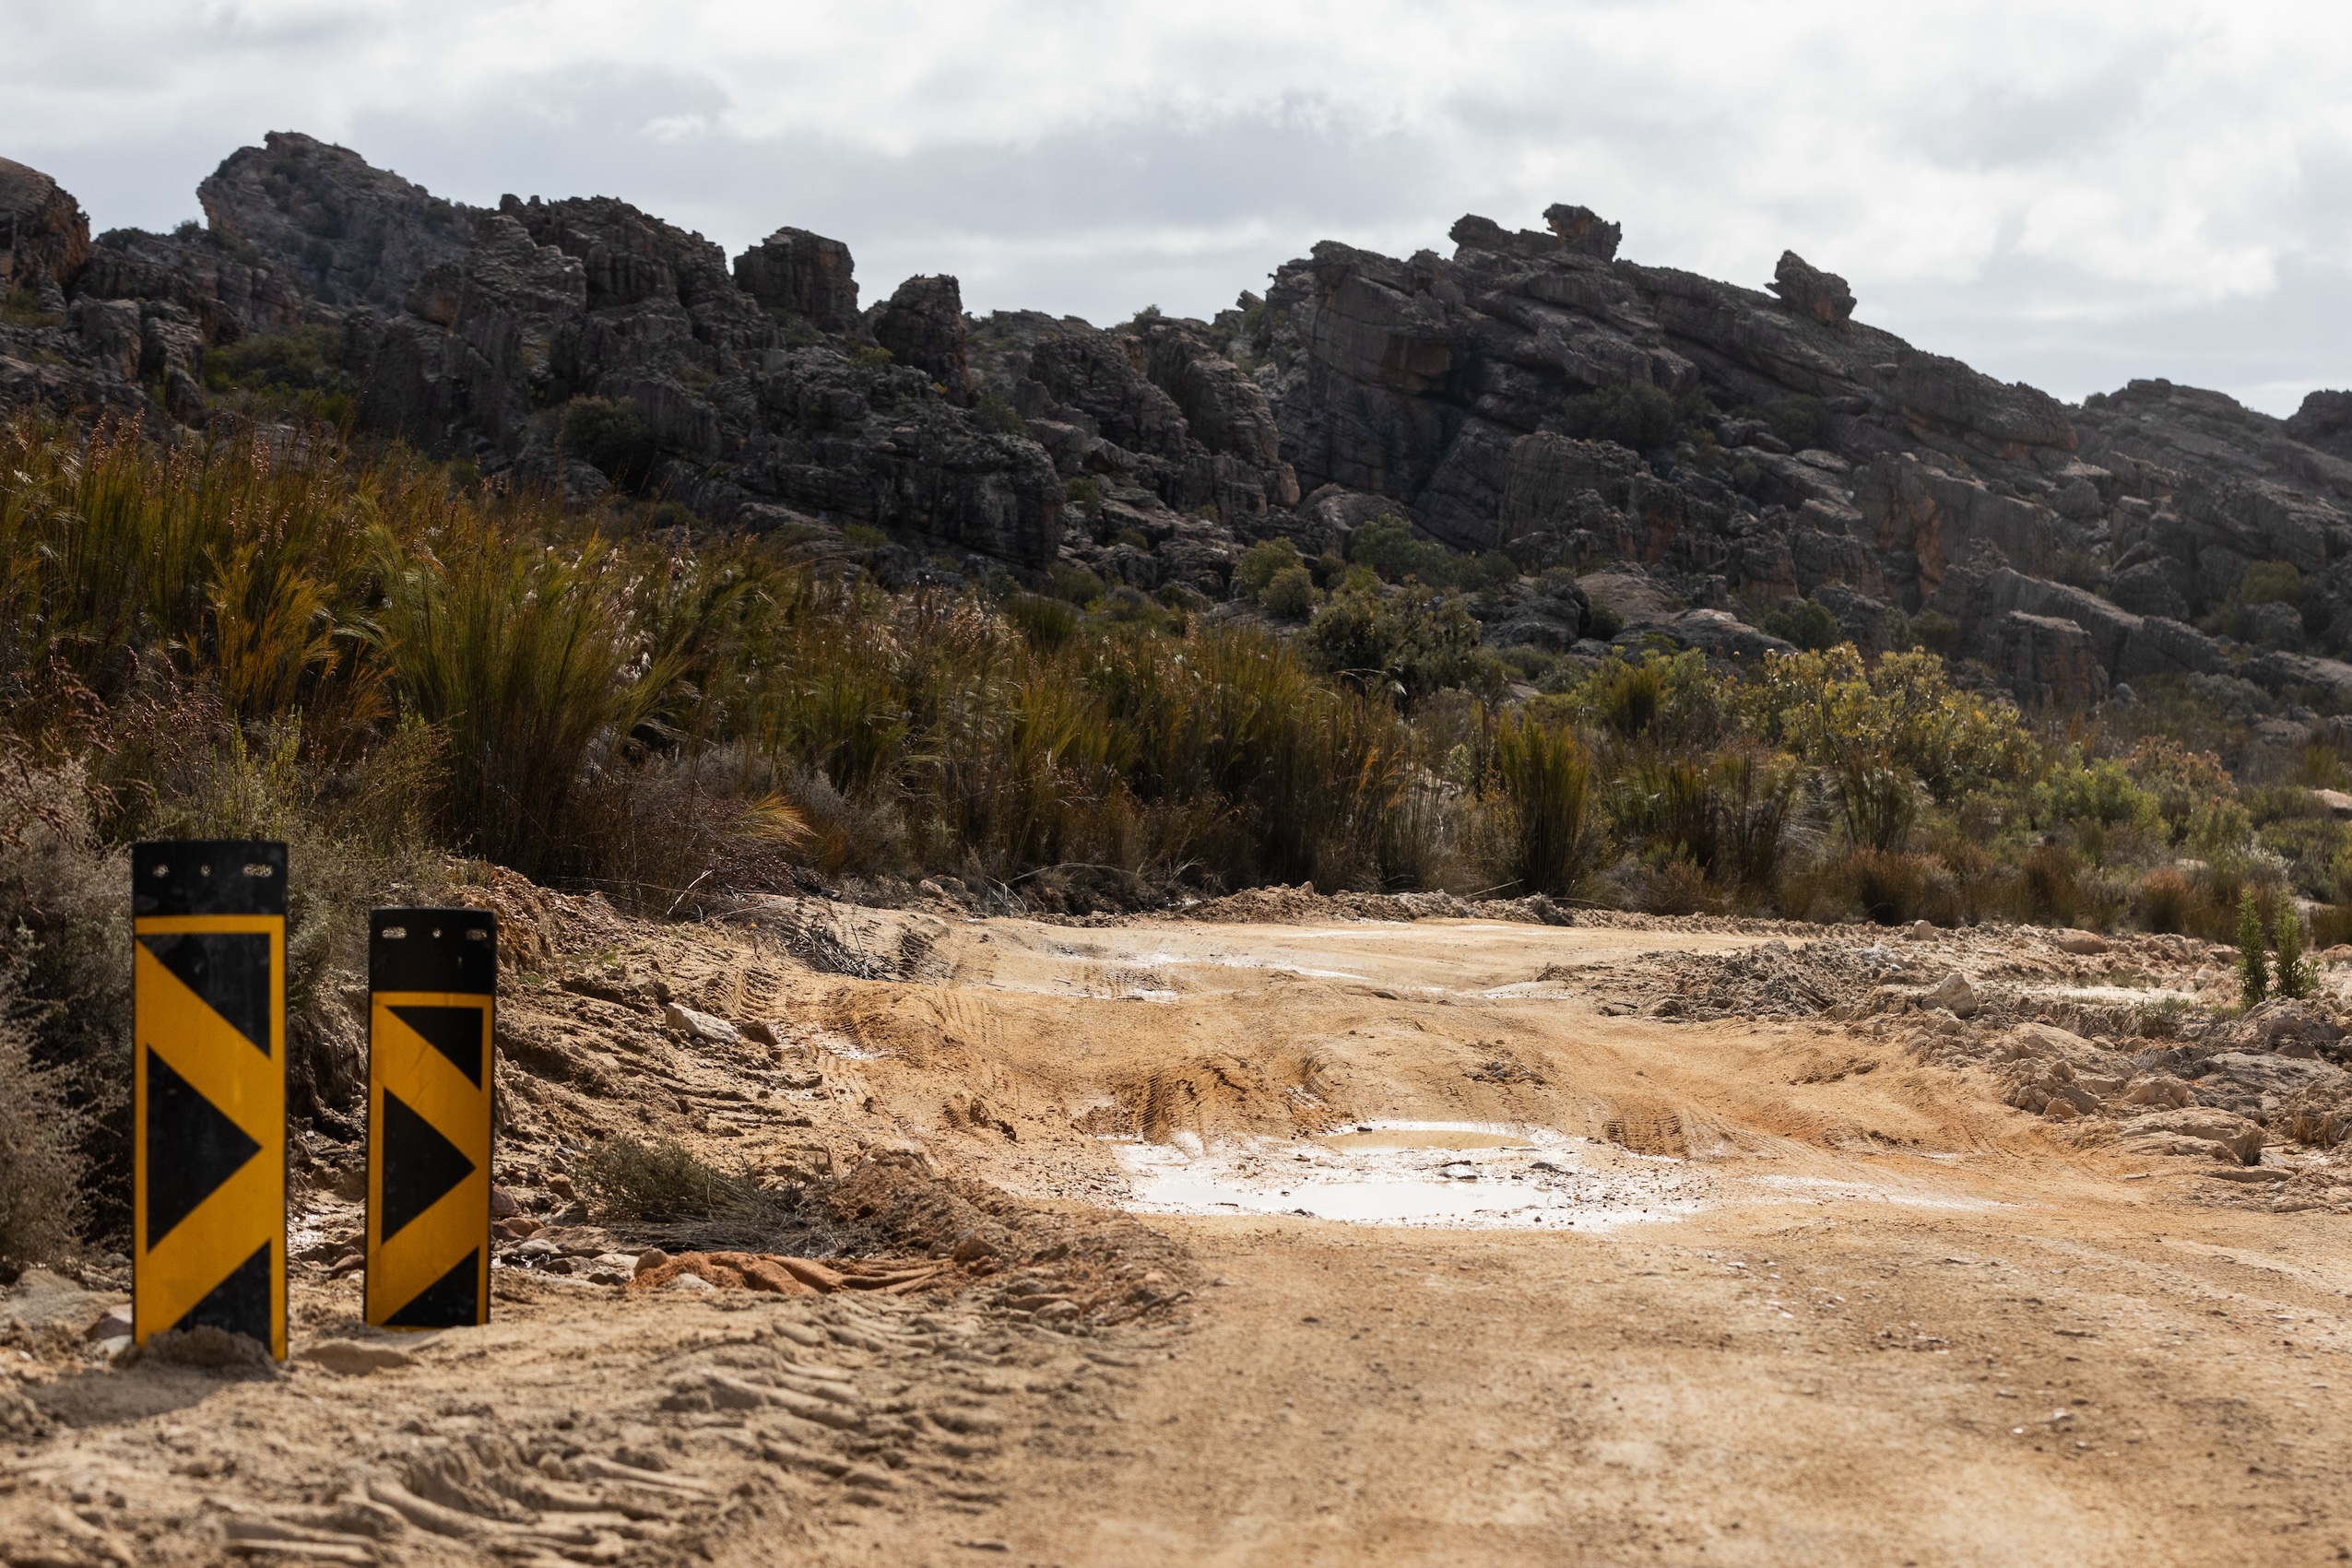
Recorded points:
(922, 325)
(1177, 437)
(44, 239)
(228, 294)
(803, 275)
(345, 233)
(2326, 421)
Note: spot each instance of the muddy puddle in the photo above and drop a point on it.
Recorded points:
(1421, 1174)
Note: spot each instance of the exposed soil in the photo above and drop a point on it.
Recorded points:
(1308, 1231)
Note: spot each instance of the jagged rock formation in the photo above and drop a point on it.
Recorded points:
(922, 325)
(471, 332)
(796, 273)
(1176, 441)
(1711, 451)
(1456, 387)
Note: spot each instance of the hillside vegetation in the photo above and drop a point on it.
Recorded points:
(404, 671)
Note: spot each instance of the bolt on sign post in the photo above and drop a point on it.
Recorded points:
(208, 1089)
(432, 978)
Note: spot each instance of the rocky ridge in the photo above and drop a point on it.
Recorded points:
(1709, 452)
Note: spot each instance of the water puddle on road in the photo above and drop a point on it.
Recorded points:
(1420, 1174)
(1434, 1134)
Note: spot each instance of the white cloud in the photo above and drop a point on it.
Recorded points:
(2040, 182)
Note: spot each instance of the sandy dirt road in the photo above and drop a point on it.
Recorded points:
(1745, 1290)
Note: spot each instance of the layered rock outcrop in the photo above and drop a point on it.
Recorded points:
(1531, 392)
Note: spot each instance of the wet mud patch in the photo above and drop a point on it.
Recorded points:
(1455, 1175)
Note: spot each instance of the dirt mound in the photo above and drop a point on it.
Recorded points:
(535, 923)
(794, 1276)
(1771, 980)
(1211, 1096)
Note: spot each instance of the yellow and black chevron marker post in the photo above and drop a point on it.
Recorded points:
(432, 978)
(208, 1089)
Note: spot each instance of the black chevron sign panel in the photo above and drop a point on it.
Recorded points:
(455, 1032)
(432, 976)
(208, 1089)
(187, 1135)
(420, 1167)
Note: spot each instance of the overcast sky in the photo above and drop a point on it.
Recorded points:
(2063, 193)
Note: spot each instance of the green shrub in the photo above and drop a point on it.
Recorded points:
(2099, 792)
(23, 309)
(1629, 695)
(1405, 645)
(1387, 546)
(1806, 624)
(1547, 778)
(1637, 414)
(1894, 888)
(1728, 816)
(1261, 562)
(613, 437)
(2051, 886)
(2297, 975)
(1798, 419)
(295, 360)
(1289, 593)
(1601, 620)
(2254, 965)
(1935, 632)
(1084, 491)
(995, 412)
(2271, 583)
(1066, 580)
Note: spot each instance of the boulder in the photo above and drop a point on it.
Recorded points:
(1548, 614)
(1224, 409)
(2147, 589)
(1953, 993)
(1583, 230)
(802, 274)
(2160, 1091)
(2286, 1025)
(2326, 421)
(1812, 292)
(922, 325)
(701, 1026)
(1866, 622)
(1928, 518)
(2198, 1129)
(44, 238)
